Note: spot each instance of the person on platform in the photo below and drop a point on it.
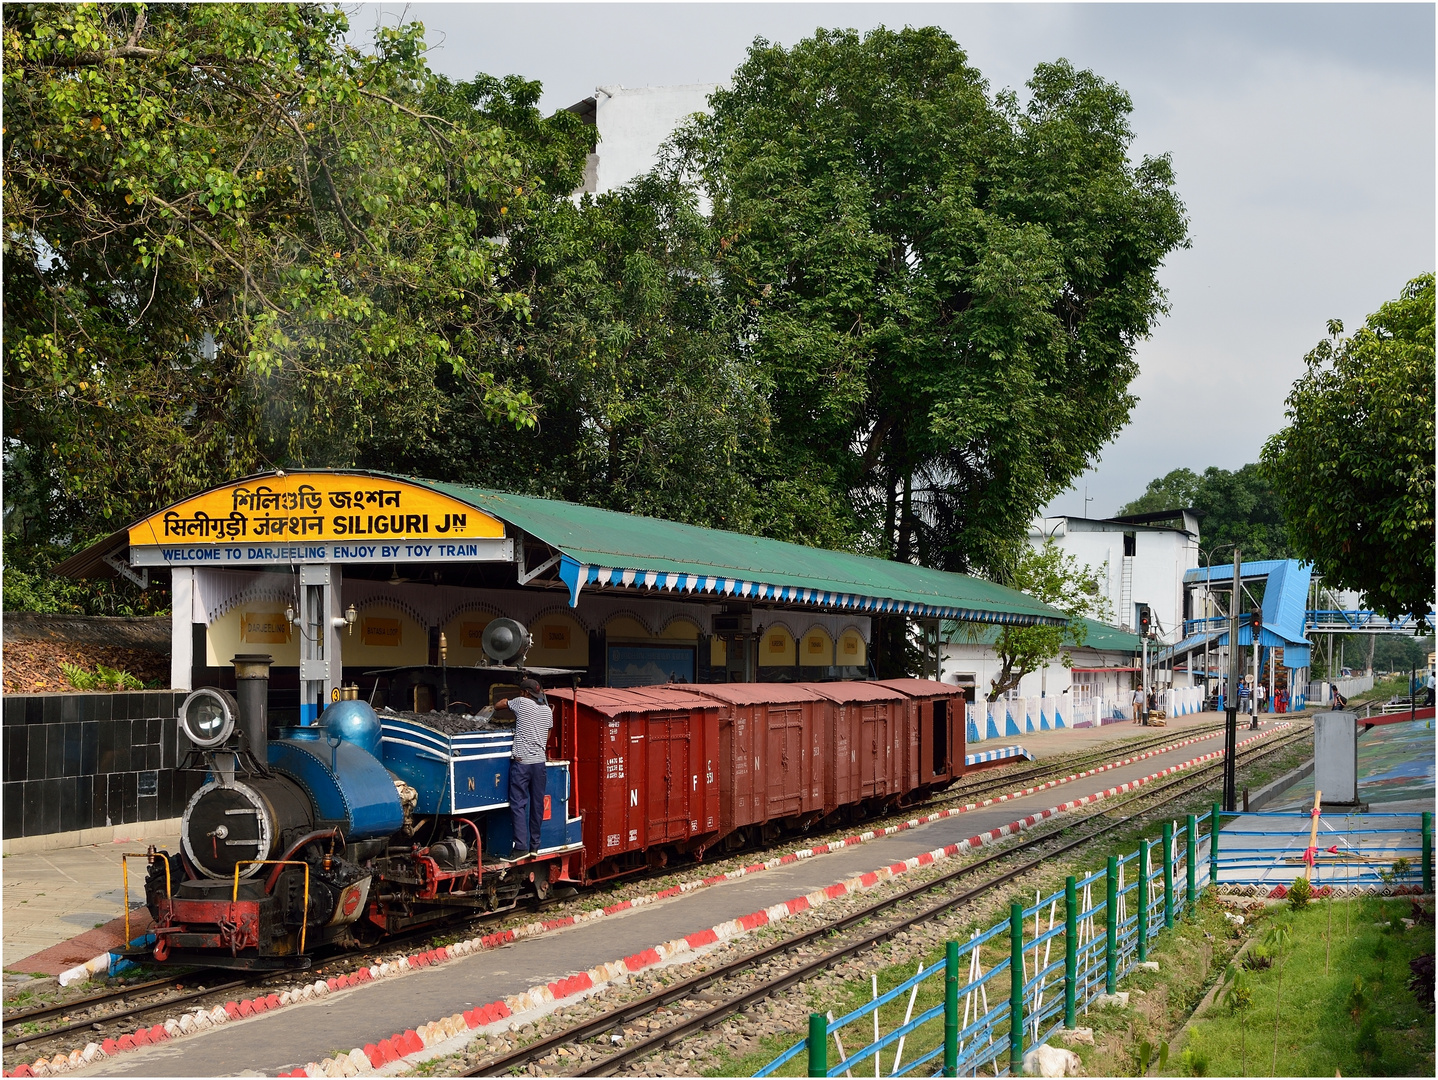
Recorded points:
(1137, 704)
(1245, 695)
(1262, 696)
(532, 720)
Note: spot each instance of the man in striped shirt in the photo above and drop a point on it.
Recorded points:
(532, 720)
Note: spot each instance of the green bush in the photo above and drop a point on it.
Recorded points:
(102, 678)
(1299, 893)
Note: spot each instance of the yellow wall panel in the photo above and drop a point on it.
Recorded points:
(816, 649)
(384, 636)
(558, 641)
(776, 648)
(626, 626)
(464, 634)
(851, 650)
(257, 627)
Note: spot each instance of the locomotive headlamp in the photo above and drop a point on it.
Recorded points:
(208, 717)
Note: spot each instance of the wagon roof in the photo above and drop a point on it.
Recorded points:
(760, 693)
(920, 687)
(858, 691)
(616, 701)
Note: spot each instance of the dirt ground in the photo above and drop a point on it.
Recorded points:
(32, 667)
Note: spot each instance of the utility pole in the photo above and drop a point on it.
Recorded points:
(1230, 700)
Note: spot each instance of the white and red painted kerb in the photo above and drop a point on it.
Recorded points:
(407, 1046)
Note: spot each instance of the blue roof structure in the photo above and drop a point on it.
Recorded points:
(1285, 604)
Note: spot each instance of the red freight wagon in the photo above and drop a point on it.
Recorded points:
(772, 759)
(644, 773)
(936, 715)
(867, 738)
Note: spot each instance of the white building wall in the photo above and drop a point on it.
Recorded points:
(633, 122)
(1160, 558)
(1051, 687)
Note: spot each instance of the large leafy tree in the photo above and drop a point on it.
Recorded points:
(943, 288)
(1354, 466)
(232, 240)
(1238, 507)
(642, 404)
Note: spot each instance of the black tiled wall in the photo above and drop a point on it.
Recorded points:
(80, 761)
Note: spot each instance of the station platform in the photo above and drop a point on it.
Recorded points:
(1396, 770)
(310, 1031)
(64, 906)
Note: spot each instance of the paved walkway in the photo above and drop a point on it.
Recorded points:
(295, 1035)
(53, 899)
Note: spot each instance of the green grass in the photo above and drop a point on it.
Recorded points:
(1351, 1012)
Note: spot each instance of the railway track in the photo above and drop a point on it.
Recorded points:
(1176, 789)
(1077, 763)
(211, 994)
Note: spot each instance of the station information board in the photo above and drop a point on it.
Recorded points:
(318, 517)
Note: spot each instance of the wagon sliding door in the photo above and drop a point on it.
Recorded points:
(784, 780)
(874, 750)
(667, 777)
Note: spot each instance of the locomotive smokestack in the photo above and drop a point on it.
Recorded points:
(252, 692)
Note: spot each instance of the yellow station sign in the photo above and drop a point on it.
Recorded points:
(317, 516)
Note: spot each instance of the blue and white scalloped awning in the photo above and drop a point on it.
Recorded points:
(577, 575)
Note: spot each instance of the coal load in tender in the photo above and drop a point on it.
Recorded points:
(450, 723)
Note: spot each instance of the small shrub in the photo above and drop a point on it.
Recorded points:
(1357, 1003)
(1258, 958)
(1194, 1061)
(1421, 981)
(78, 677)
(102, 678)
(1299, 894)
(1367, 1042)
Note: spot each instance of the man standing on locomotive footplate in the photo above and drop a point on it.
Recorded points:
(532, 720)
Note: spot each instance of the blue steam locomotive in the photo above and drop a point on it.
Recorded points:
(345, 831)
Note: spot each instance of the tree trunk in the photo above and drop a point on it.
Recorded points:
(890, 510)
(906, 523)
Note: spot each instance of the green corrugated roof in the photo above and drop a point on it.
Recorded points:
(1100, 636)
(595, 542)
(1106, 638)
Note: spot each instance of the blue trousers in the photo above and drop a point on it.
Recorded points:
(526, 803)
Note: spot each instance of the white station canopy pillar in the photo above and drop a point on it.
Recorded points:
(319, 618)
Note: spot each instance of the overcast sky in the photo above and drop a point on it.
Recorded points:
(1302, 138)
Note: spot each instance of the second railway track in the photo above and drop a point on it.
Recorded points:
(1176, 788)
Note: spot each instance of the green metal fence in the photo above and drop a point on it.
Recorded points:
(1011, 986)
